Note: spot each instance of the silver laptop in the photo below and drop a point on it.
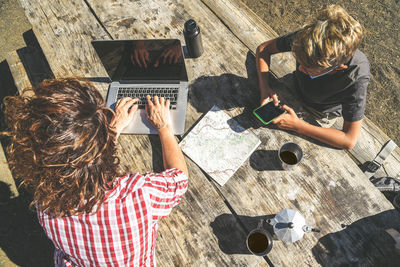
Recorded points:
(146, 67)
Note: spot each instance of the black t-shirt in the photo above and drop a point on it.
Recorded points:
(343, 92)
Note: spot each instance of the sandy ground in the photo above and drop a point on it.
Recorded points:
(381, 20)
(12, 24)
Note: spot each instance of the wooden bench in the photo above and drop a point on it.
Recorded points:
(209, 226)
(252, 31)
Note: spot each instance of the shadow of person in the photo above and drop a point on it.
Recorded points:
(240, 96)
(229, 91)
(21, 237)
(363, 243)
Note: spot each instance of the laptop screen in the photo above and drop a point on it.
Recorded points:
(131, 60)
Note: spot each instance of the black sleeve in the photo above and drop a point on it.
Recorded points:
(284, 42)
(353, 110)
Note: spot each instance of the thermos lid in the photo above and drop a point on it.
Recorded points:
(190, 26)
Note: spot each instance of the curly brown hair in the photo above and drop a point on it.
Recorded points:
(62, 145)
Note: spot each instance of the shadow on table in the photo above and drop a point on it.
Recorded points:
(157, 158)
(21, 237)
(265, 160)
(232, 232)
(36, 67)
(8, 88)
(229, 91)
(363, 243)
(34, 61)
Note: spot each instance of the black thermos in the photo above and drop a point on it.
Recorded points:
(193, 38)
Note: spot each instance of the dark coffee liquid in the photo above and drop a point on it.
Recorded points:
(257, 242)
(288, 157)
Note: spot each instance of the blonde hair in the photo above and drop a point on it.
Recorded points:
(331, 39)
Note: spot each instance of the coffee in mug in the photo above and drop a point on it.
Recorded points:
(290, 154)
(259, 241)
(288, 157)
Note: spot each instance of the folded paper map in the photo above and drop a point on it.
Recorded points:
(219, 145)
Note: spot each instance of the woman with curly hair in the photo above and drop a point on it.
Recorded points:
(63, 149)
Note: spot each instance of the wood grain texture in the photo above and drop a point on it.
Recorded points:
(18, 71)
(7, 182)
(165, 19)
(21, 81)
(371, 141)
(327, 187)
(252, 31)
(64, 30)
(331, 181)
(227, 90)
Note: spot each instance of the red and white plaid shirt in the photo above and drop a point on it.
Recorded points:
(122, 232)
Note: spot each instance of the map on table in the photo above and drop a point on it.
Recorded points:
(219, 145)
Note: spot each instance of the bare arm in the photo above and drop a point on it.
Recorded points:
(263, 60)
(345, 138)
(172, 154)
(124, 110)
(159, 116)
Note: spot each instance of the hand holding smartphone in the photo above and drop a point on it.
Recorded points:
(268, 112)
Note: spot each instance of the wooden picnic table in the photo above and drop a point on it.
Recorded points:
(209, 226)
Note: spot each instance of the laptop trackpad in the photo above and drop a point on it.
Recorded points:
(140, 124)
(142, 117)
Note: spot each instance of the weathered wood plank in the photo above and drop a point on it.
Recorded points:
(185, 236)
(64, 30)
(146, 24)
(21, 81)
(326, 195)
(252, 31)
(307, 202)
(371, 140)
(18, 71)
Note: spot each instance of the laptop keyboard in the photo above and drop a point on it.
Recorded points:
(170, 93)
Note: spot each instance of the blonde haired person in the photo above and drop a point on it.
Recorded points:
(331, 76)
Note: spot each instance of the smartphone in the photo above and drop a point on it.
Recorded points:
(268, 112)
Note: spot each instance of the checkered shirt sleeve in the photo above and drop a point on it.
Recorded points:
(123, 230)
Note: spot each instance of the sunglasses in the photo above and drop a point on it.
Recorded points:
(322, 74)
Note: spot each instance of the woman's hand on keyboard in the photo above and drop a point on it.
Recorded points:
(124, 111)
(158, 112)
